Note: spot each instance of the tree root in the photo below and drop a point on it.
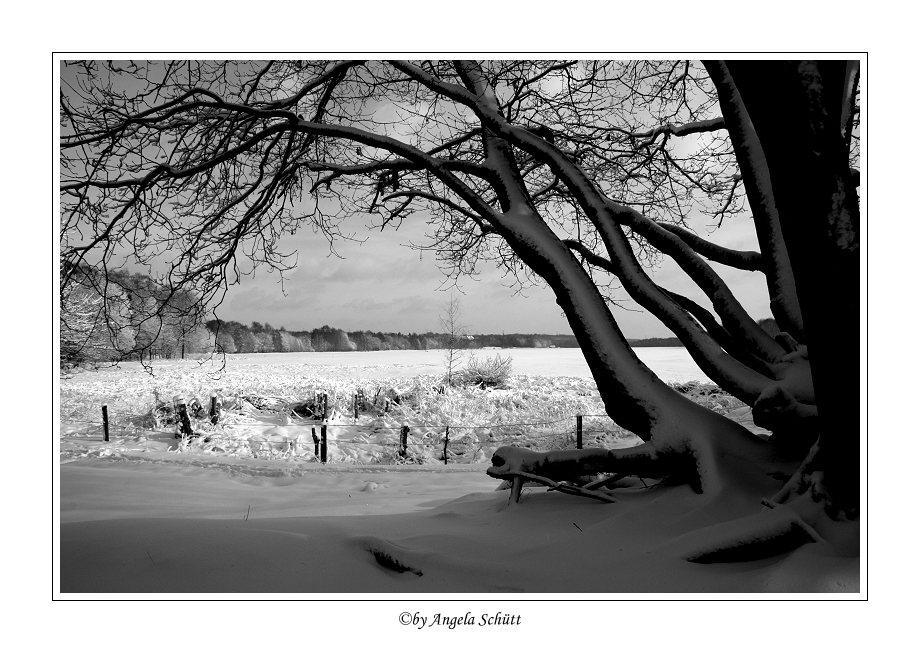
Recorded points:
(755, 537)
(560, 470)
(809, 478)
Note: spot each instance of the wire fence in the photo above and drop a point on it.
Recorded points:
(215, 430)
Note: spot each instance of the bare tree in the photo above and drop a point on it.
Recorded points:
(456, 334)
(93, 329)
(573, 174)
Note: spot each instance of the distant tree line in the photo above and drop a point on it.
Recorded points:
(108, 318)
(656, 342)
(234, 337)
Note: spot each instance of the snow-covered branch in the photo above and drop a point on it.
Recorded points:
(699, 127)
(734, 317)
(742, 260)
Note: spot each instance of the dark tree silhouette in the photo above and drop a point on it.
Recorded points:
(573, 173)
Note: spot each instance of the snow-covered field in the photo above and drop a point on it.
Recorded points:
(245, 507)
(670, 363)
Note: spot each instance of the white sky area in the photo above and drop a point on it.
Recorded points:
(383, 285)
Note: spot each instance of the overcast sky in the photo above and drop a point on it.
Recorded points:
(382, 285)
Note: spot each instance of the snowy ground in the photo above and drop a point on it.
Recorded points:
(671, 363)
(248, 509)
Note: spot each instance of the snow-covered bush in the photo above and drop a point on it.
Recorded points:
(709, 395)
(492, 372)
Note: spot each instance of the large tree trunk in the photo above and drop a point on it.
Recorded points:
(801, 112)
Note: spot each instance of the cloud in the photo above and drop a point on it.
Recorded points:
(366, 269)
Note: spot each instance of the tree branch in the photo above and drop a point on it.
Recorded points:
(719, 334)
(699, 127)
(740, 259)
(337, 69)
(485, 228)
(734, 318)
(708, 322)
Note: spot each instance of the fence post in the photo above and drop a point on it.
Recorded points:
(325, 405)
(322, 444)
(319, 406)
(403, 439)
(578, 431)
(185, 427)
(215, 410)
(355, 405)
(105, 422)
(446, 438)
(315, 442)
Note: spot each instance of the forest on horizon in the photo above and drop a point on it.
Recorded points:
(234, 337)
(101, 320)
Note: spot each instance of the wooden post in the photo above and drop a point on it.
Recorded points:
(355, 403)
(403, 439)
(322, 444)
(446, 439)
(185, 427)
(215, 410)
(315, 442)
(325, 406)
(105, 422)
(578, 431)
